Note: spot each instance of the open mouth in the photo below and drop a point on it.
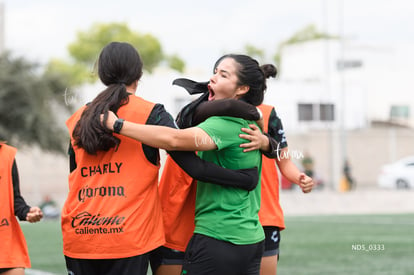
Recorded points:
(211, 93)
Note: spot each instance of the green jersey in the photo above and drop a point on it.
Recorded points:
(228, 213)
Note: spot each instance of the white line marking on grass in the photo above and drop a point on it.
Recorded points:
(373, 222)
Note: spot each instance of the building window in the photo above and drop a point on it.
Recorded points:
(316, 112)
(305, 112)
(326, 112)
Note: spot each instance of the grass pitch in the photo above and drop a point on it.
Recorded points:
(342, 244)
(348, 244)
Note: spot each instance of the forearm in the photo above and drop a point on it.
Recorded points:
(209, 172)
(156, 136)
(190, 139)
(20, 207)
(266, 145)
(225, 107)
(270, 149)
(288, 169)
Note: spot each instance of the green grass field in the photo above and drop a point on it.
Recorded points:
(348, 244)
(345, 244)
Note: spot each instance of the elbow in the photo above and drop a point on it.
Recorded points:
(172, 143)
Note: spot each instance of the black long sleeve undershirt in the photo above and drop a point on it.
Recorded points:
(225, 107)
(208, 172)
(20, 207)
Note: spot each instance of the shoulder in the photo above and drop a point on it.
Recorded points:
(224, 123)
(134, 98)
(160, 116)
(8, 152)
(8, 148)
(225, 120)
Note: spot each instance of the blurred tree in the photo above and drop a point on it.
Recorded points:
(33, 101)
(254, 52)
(29, 99)
(308, 33)
(85, 50)
(176, 63)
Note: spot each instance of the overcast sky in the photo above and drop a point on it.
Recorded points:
(200, 31)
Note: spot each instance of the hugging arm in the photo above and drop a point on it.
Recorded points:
(225, 107)
(202, 170)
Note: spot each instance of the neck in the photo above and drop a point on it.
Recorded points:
(132, 88)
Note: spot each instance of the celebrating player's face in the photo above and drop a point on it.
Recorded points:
(223, 84)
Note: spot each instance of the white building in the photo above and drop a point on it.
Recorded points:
(321, 80)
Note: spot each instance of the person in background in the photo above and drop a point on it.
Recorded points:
(347, 181)
(111, 219)
(14, 256)
(49, 208)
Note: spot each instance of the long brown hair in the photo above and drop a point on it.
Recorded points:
(119, 65)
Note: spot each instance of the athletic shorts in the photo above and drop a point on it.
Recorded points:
(2, 270)
(272, 241)
(206, 255)
(165, 256)
(125, 266)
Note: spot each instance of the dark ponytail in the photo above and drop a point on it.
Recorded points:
(119, 65)
(268, 70)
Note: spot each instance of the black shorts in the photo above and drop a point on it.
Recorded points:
(205, 255)
(2, 270)
(272, 241)
(125, 266)
(165, 256)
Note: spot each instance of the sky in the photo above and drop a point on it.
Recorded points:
(201, 31)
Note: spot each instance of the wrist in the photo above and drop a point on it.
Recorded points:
(265, 144)
(118, 124)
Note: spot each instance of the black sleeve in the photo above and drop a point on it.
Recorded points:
(225, 107)
(200, 169)
(276, 135)
(209, 172)
(20, 207)
(72, 160)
